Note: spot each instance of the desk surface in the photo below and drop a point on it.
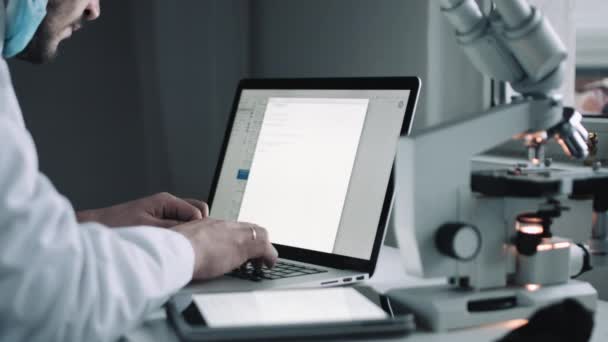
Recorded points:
(389, 274)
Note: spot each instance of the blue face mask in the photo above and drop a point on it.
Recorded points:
(22, 20)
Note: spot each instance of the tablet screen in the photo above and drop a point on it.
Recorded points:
(286, 307)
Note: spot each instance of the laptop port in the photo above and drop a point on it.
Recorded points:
(329, 282)
(346, 280)
(360, 277)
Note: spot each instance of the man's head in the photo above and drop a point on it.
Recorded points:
(62, 19)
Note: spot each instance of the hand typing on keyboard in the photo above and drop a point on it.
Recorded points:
(220, 246)
(282, 269)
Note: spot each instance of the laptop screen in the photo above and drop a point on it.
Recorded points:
(311, 166)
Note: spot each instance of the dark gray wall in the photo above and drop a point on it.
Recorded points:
(84, 112)
(340, 38)
(139, 101)
(201, 49)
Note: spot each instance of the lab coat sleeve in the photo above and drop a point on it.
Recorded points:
(65, 281)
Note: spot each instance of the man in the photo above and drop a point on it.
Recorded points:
(70, 277)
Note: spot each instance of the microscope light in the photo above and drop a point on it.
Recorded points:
(532, 287)
(530, 233)
(530, 229)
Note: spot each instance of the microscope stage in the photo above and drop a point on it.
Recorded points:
(541, 182)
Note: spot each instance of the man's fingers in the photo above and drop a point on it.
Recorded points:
(179, 210)
(162, 223)
(273, 256)
(258, 245)
(202, 206)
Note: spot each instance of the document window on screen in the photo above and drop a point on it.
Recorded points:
(302, 164)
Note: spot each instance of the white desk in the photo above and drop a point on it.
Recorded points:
(389, 274)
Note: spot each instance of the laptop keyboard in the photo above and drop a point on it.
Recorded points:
(281, 270)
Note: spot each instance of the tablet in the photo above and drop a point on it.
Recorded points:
(287, 314)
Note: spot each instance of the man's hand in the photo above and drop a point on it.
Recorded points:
(160, 210)
(222, 246)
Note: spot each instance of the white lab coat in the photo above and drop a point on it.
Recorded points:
(65, 281)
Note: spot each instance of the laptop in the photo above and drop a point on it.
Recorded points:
(311, 160)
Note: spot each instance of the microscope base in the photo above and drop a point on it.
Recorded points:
(442, 308)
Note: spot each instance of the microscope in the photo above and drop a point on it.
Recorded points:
(490, 232)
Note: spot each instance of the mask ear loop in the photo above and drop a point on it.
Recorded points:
(3, 5)
(21, 20)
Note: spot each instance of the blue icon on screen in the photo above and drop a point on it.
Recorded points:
(242, 174)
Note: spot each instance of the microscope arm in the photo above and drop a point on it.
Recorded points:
(433, 182)
(433, 186)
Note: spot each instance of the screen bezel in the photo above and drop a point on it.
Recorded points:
(366, 83)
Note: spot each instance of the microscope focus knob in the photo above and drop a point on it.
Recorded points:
(460, 241)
